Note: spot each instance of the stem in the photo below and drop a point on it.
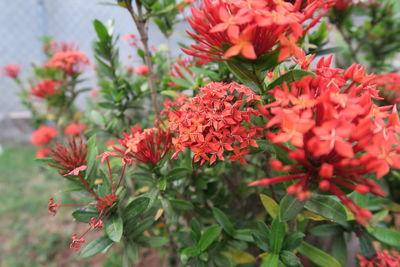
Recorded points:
(143, 27)
(111, 176)
(88, 187)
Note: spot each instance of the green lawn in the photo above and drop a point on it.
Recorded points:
(29, 235)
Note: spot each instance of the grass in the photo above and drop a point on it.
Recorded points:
(29, 235)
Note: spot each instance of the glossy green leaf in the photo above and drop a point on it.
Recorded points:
(136, 208)
(182, 205)
(326, 230)
(101, 30)
(224, 221)
(208, 237)
(272, 260)
(114, 228)
(289, 258)
(326, 207)
(95, 247)
(290, 206)
(318, 256)
(387, 236)
(293, 240)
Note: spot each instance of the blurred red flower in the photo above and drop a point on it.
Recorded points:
(12, 70)
(142, 70)
(43, 135)
(70, 62)
(75, 129)
(44, 88)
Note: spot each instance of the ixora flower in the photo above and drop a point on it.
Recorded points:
(388, 85)
(147, 146)
(12, 70)
(251, 28)
(71, 161)
(45, 88)
(43, 135)
(70, 62)
(338, 136)
(75, 129)
(215, 121)
(142, 70)
(383, 258)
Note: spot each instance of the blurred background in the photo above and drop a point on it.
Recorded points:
(29, 235)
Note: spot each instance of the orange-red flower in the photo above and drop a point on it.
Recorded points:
(75, 129)
(12, 70)
(142, 70)
(338, 136)
(70, 62)
(215, 121)
(383, 258)
(251, 28)
(147, 146)
(45, 88)
(43, 135)
(42, 152)
(389, 87)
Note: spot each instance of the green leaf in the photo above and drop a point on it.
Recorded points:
(270, 205)
(267, 61)
(339, 249)
(213, 75)
(154, 241)
(318, 256)
(293, 240)
(208, 237)
(290, 76)
(179, 204)
(290, 206)
(101, 30)
(387, 236)
(84, 215)
(276, 236)
(181, 82)
(177, 174)
(244, 235)
(92, 162)
(326, 207)
(261, 236)
(326, 230)
(114, 228)
(136, 208)
(289, 259)
(271, 261)
(242, 73)
(188, 253)
(224, 221)
(95, 247)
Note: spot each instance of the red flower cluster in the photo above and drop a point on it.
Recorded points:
(147, 146)
(383, 258)
(251, 27)
(216, 120)
(70, 62)
(75, 129)
(185, 64)
(45, 88)
(43, 135)
(12, 70)
(388, 85)
(54, 47)
(338, 135)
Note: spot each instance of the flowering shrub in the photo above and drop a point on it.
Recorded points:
(263, 153)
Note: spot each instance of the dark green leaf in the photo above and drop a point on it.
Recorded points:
(290, 206)
(293, 240)
(244, 235)
(318, 256)
(179, 204)
(339, 249)
(101, 30)
(136, 208)
(326, 207)
(114, 228)
(95, 247)
(224, 221)
(84, 216)
(271, 261)
(241, 71)
(208, 237)
(289, 259)
(188, 253)
(177, 173)
(326, 230)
